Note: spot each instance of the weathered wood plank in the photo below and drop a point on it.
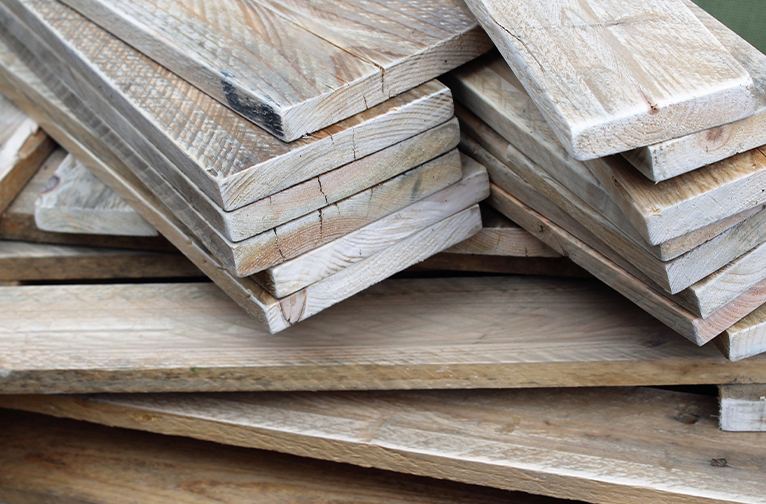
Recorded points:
(483, 332)
(75, 201)
(100, 464)
(668, 159)
(617, 445)
(232, 161)
(507, 265)
(612, 75)
(743, 408)
(330, 258)
(291, 67)
(745, 338)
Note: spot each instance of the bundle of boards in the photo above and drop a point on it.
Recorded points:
(661, 206)
(308, 169)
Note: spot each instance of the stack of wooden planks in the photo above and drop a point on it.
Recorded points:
(293, 177)
(660, 201)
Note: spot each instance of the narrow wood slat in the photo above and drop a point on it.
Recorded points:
(743, 408)
(617, 445)
(507, 265)
(612, 75)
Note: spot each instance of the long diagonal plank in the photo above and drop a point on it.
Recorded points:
(616, 445)
(291, 67)
(485, 332)
(611, 75)
(232, 161)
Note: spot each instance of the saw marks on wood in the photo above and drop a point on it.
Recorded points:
(292, 67)
(75, 201)
(617, 445)
(612, 75)
(743, 408)
(480, 332)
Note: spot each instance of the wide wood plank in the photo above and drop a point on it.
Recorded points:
(232, 161)
(295, 68)
(505, 332)
(100, 464)
(75, 201)
(668, 159)
(612, 75)
(617, 445)
(743, 408)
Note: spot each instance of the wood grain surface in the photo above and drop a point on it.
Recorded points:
(229, 159)
(485, 332)
(75, 201)
(745, 338)
(611, 75)
(291, 67)
(449, 264)
(617, 445)
(743, 408)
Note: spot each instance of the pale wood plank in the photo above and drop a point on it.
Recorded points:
(743, 408)
(118, 466)
(668, 159)
(291, 67)
(485, 332)
(745, 338)
(612, 75)
(24, 261)
(330, 258)
(232, 161)
(507, 265)
(75, 201)
(617, 445)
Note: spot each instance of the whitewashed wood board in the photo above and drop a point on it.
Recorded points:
(743, 408)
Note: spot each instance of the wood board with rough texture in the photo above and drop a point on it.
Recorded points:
(745, 338)
(612, 75)
(291, 67)
(506, 265)
(119, 466)
(616, 445)
(75, 201)
(484, 332)
(214, 150)
(743, 408)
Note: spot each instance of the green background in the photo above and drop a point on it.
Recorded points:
(745, 17)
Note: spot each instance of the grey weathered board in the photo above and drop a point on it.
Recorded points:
(480, 332)
(658, 213)
(611, 75)
(616, 445)
(447, 263)
(232, 161)
(680, 155)
(293, 67)
(75, 201)
(743, 408)
(745, 338)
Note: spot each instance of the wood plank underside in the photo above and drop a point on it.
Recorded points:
(507, 265)
(412, 334)
(743, 408)
(291, 67)
(612, 75)
(617, 445)
(232, 161)
(100, 464)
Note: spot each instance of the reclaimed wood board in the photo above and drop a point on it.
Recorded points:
(231, 160)
(469, 332)
(449, 263)
(102, 464)
(671, 158)
(294, 68)
(657, 213)
(743, 408)
(25, 261)
(612, 75)
(75, 201)
(617, 445)
(331, 258)
(745, 338)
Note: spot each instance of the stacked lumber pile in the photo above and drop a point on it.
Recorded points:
(623, 165)
(337, 164)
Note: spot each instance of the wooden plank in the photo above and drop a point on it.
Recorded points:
(75, 201)
(24, 261)
(100, 464)
(745, 338)
(294, 68)
(330, 258)
(680, 205)
(613, 75)
(445, 262)
(680, 155)
(469, 332)
(232, 161)
(617, 445)
(743, 408)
